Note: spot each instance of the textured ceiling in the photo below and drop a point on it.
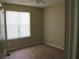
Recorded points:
(28, 3)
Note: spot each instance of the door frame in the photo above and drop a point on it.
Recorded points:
(71, 28)
(2, 33)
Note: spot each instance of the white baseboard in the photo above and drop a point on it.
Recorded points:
(24, 46)
(54, 45)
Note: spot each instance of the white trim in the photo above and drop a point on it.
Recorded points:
(0, 5)
(24, 46)
(74, 49)
(54, 45)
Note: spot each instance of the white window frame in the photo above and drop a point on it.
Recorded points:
(19, 37)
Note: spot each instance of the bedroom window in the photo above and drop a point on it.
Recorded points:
(17, 24)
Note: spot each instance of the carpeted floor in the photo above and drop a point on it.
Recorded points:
(41, 51)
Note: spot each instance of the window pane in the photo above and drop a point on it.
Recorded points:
(24, 24)
(11, 20)
(24, 31)
(12, 32)
(18, 24)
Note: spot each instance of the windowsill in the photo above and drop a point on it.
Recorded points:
(19, 38)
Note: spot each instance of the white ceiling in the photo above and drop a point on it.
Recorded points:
(28, 3)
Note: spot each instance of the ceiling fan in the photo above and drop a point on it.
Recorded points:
(38, 1)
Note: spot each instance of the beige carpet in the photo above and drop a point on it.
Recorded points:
(41, 51)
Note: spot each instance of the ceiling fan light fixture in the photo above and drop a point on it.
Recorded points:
(43, 1)
(38, 1)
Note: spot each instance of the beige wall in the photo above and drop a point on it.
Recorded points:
(36, 26)
(54, 25)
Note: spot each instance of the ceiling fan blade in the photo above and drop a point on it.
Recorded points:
(31, 0)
